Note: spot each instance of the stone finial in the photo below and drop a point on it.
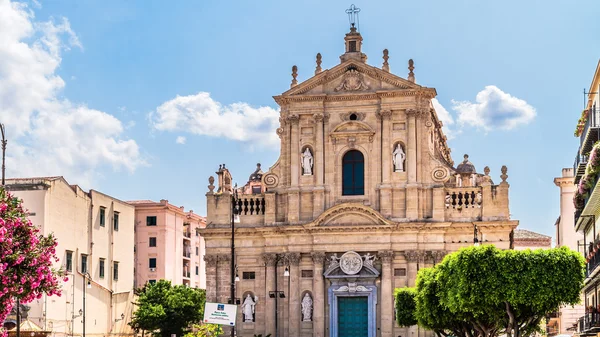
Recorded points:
(294, 75)
(411, 67)
(504, 169)
(211, 182)
(386, 65)
(318, 69)
(486, 170)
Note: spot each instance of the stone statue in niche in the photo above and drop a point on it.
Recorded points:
(398, 157)
(307, 308)
(248, 308)
(307, 162)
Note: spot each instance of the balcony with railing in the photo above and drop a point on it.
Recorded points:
(591, 131)
(579, 165)
(592, 257)
(589, 324)
(590, 204)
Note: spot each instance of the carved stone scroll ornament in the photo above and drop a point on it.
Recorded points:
(412, 255)
(353, 81)
(318, 257)
(269, 259)
(293, 259)
(352, 288)
(440, 174)
(211, 260)
(271, 180)
(386, 256)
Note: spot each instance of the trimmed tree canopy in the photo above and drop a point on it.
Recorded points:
(165, 309)
(405, 306)
(484, 291)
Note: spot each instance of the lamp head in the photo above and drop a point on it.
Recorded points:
(237, 278)
(286, 272)
(89, 284)
(80, 312)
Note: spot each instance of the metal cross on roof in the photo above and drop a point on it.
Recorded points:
(353, 15)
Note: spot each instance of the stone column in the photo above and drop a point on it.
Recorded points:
(294, 150)
(411, 151)
(319, 166)
(412, 257)
(269, 319)
(387, 294)
(211, 278)
(385, 190)
(294, 297)
(318, 295)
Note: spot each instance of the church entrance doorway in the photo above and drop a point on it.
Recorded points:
(353, 316)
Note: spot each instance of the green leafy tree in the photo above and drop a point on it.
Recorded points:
(205, 330)
(405, 306)
(165, 309)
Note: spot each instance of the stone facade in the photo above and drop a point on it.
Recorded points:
(396, 210)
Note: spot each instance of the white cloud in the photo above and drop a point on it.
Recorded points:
(445, 117)
(48, 134)
(200, 114)
(494, 109)
(180, 140)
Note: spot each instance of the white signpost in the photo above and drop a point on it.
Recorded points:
(218, 313)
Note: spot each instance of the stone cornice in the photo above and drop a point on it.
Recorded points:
(282, 100)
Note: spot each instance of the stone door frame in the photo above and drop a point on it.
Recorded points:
(333, 294)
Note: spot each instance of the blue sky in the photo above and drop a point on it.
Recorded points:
(88, 89)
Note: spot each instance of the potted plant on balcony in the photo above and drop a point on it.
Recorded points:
(581, 123)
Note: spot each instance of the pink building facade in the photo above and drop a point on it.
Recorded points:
(168, 245)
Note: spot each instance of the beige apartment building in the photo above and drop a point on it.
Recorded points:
(565, 235)
(95, 234)
(168, 245)
(363, 195)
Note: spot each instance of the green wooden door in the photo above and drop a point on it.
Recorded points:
(353, 317)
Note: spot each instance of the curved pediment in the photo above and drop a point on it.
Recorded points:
(350, 214)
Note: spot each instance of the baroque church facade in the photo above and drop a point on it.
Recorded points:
(363, 195)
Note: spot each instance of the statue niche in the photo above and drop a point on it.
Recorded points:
(399, 158)
(307, 161)
(248, 308)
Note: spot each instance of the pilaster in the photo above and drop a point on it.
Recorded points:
(294, 149)
(387, 294)
(294, 303)
(412, 257)
(211, 277)
(269, 260)
(319, 295)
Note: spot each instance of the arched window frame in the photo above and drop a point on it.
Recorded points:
(354, 184)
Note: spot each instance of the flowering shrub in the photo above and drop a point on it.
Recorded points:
(581, 123)
(26, 258)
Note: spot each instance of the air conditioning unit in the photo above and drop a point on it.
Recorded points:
(152, 269)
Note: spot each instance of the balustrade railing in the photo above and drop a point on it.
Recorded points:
(251, 205)
(465, 197)
(588, 321)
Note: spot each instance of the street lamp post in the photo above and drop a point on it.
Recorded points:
(278, 293)
(88, 284)
(3, 144)
(234, 219)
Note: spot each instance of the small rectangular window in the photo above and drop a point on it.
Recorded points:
(151, 281)
(152, 242)
(101, 271)
(84, 268)
(248, 275)
(307, 273)
(151, 221)
(197, 250)
(352, 46)
(116, 271)
(400, 272)
(197, 270)
(102, 216)
(256, 189)
(116, 221)
(69, 261)
(152, 262)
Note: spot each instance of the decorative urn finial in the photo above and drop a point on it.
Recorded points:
(318, 69)
(294, 75)
(386, 65)
(411, 67)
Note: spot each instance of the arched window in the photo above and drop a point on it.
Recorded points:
(353, 173)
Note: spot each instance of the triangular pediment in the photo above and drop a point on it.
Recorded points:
(351, 76)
